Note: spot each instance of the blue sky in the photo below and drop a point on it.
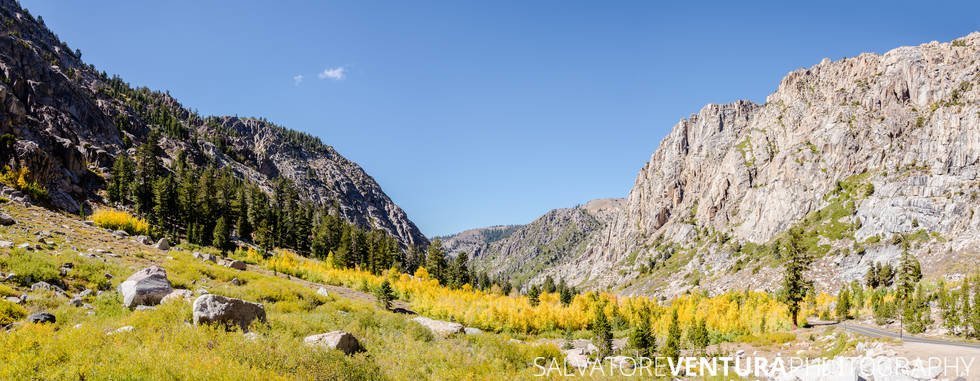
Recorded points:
(480, 113)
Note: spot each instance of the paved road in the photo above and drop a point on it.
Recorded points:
(880, 333)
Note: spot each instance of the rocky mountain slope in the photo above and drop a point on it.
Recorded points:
(529, 249)
(861, 154)
(70, 121)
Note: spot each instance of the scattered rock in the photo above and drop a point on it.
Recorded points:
(162, 244)
(14, 299)
(472, 331)
(236, 282)
(205, 257)
(339, 340)
(624, 362)
(6, 244)
(146, 287)
(230, 312)
(122, 329)
(25, 246)
(179, 294)
(439, 327)
(322, 292)
(202, 291)
(76, 301)
(142, 239)
(120, 234)
(6, 220)
(576, 359)
(144, 308)
(232, 263)
(41, 318)
(251, 336)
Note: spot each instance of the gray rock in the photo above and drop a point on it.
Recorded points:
(205, 257)
(472, 331)
(162, 244)
(178, 295)
(145, 287)
(439, 327)
(120, 234)
(234, 264)
(322, 292)
(76, 302)
(142, 239)
(41, 318)
(230, 312)
(6, 244)
(339, 340)
(6, 220)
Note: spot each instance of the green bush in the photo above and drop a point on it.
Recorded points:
(10, 312)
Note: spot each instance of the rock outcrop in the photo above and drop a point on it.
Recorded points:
(438, 327)
(229, 312)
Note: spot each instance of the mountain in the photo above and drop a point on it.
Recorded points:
(522, 251)
(864, 155)
(69, 122)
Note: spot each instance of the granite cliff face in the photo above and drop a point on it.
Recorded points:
(70, 121)
(527, 250)
(860, 153)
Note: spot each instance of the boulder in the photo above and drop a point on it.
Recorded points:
(142, 239)
(472, 331)
(120, 234)
(6, 244)
(123, 329)
(235, 264)
(6, 220)
(322, 292)
(162, 244)
(76, 301)
(177, 295)
(41, 318)
(439, 327)
(339, 340)
(146, 287)
(576, 359)
(205, 257)
(229, 312)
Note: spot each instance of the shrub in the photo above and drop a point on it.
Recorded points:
(120, 220)
(22, 180)
(10, 312)
(30, 268)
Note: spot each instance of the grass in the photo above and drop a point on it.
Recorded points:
(767, 339)
(120, 220)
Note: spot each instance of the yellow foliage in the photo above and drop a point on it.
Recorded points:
(120, 220)
(727, 315)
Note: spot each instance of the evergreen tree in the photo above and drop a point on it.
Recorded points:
(601, 332)
(871, 277)
(165, 205)
(641, 338)
(795, 286)
(843, 304)
(672, 346)
(385, 294)
(565, 293)
(697, 335)
(121, 180)
(460, 271)
(549, 284)
(148, 168)
(968, 315)
(435, 261)
(886, 275)
(222, 233)
(533, 294)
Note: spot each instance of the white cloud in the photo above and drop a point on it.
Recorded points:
(297, 79)
(336, 73)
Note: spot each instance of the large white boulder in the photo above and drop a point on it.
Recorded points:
(145, 287)
(339, 340)
(230, 312)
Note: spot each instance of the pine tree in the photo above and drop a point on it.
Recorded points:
(641, 338)
(435, 261)
(843, 304)
(968, 313)
(459, 271)
(165, 205)
(122, 179)
(871, 277)
(385, 294)
(549, 284)
(222, 233)
(533, 294)
(672, 346)
(148, 168)
(697, 335)
(601, 332)
(795, 286)
(886, 275)
(565, 293)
